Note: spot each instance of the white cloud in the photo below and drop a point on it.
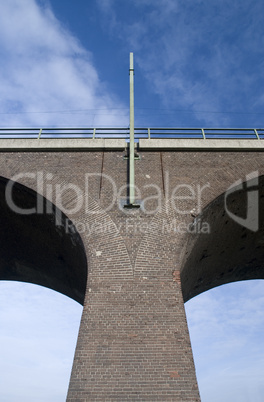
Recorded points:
(45, 69)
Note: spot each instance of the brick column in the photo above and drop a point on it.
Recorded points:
(134, 344)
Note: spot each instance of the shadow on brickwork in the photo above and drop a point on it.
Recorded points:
(35, 249)
(234, 248)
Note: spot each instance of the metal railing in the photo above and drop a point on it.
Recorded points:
(123, 133)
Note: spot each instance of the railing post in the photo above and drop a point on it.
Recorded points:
(149, 133)
(40, 131)
(256, 134)
(203, 133)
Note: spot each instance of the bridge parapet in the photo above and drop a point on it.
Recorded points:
(133, 342)
(68, 139)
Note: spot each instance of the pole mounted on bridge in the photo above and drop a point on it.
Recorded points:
(131, 203)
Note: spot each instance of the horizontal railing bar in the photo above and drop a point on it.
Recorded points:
(126, 128)
(62, 128)
(173, 134)
(228, 135)
(198, 129)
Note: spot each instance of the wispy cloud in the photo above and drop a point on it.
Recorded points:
(45, 69)
(198, 56)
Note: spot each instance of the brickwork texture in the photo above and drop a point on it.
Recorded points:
(133, 268)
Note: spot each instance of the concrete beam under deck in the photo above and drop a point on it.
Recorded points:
(164, 144)
(191, 144)
(61, 144)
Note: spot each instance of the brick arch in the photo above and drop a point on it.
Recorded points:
(36, 247)
(129, 319)
(105, 248)
(233, 250)
(170, 251)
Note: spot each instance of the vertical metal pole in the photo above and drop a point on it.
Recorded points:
(132, 141)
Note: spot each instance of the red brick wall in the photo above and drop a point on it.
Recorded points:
(133, 342)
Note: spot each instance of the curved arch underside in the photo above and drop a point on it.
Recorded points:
(35, 248)
(231, 251)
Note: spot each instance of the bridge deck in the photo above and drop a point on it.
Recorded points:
(161, 144)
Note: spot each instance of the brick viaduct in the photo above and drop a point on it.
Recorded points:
(132, 269)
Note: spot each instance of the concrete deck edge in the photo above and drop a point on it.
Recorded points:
(166, 144)
(58, 144)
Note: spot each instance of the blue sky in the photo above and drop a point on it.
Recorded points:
(226, 328)
(197, 64)
(38, 332)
